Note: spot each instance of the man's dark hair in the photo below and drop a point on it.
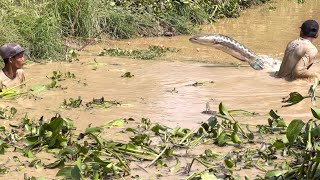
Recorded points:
(310, 28)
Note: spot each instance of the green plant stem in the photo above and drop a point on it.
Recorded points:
(185, 137)
(152, 162)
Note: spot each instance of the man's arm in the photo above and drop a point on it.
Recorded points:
(301, 68)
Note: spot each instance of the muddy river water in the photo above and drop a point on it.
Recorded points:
(265, 30)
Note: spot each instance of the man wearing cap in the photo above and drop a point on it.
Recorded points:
(300, 54)
(12, 74)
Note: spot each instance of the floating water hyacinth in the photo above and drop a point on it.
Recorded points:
(147, 54)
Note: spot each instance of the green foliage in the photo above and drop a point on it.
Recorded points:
(54, 134)
(147, 54)
(6, 113)
(72, 103)
(127, 75)
(102, 103)
(33, 27)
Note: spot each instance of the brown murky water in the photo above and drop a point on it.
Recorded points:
(266, 30)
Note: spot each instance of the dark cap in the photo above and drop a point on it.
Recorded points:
(310, 28)
(9, 50)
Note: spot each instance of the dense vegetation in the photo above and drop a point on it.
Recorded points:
(44, 26)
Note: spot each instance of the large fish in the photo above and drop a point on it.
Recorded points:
(236, 49)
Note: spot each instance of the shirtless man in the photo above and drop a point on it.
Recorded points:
(12, 74)
(300, 54)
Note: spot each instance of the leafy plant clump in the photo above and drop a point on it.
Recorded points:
(293, 152)
(101, 102)
(127, 75)
(279, 149)
(150, 53)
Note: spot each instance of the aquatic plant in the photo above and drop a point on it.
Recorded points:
(6, 113)
(72, 103)
(89, 154)
(127, 75)
(102, 103)
(147, 54)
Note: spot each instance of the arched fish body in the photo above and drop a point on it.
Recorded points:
(236, 49)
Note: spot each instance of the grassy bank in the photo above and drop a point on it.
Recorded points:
(43, 25)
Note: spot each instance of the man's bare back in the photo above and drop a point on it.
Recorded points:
(299, 56)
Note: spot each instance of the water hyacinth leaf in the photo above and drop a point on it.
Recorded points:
(53, 84)
(157, 128)
(75, 172)
(4, 170)
(317, 159)
(316, 113)
(281, 123)
(64, 143)
(293, 98)
(208, 176)
(273, 173)
(35, 163)
(66, 151)
(273, 114)
(315, 132)
(228, 163)
(56, 123)
(294, 130)
(95, 175)
(98, 139)
(278, 144)
(212, 121)
(140, 139)
(178, 132)
(93, 130)
(223, 110)
(65, 171)
(100, 161)
(29, 154)
(57, 163)
(222, 139)
(3, 146)
(169, 152)
(114, 123)
(235, 138)
(134, 131)
(39, 88)
(29, 141)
